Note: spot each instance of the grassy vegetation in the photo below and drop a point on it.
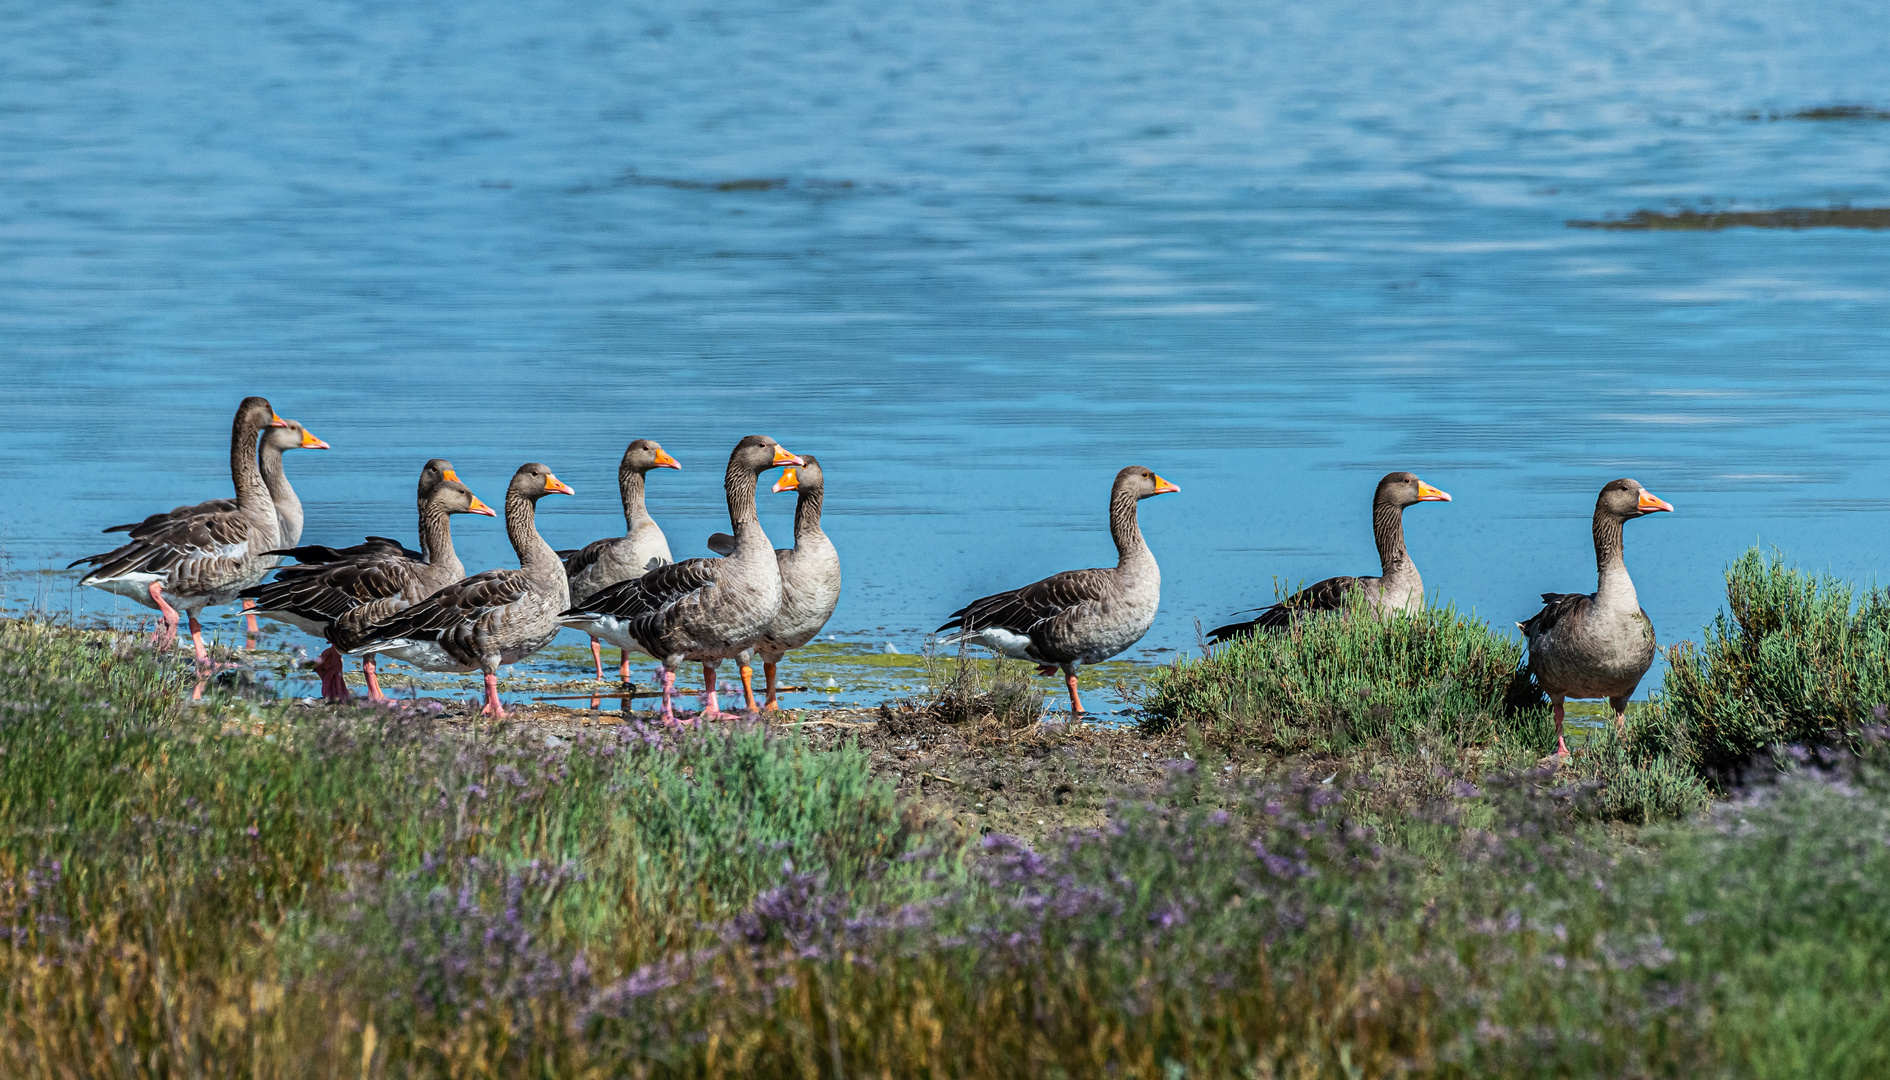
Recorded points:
(236, 888)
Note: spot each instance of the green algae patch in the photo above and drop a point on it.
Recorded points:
(1794, 217)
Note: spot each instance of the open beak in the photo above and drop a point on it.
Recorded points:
(1163, 487)
(1651, 503)
(277, 421)
(555, 486)
(1427, 493)
(664, 461)
(788, 482)
(480, 508)
(310, 442)
(782, 457)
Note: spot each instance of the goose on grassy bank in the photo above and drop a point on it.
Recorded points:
(195, 557)
(810, 576)
(493, 618)
(1398, 586)
(338, 594)
(1599, 644)
(1079, 616)
(640, 549)
(703, 610)
(289, 435)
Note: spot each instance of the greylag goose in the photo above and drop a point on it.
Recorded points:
(620, 558)
(1599, 644)
(810, 577)
(1078, 616)
(705, 610)
(289, 436)
(1399, 588)
(337, 594)
(191, 560)
(493, 618)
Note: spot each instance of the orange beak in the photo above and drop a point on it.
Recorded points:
(788, 482)
(1427, 493)
(782, 457)
(1651, 503)
(277, 421)
(664, 461)
(450, 476)
(310, 442)
(1163, 487)
(482, 509)
(555, 486)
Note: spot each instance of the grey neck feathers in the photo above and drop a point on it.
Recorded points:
(807, 514)
(1613, 587)
(522, 529)
(288, 507)
(1124, 528)
(436, 537)
(739, 484)
(635, 514)
(1388, 531)
(252, 495)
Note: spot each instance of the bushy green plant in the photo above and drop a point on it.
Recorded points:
(1796, 659)
(1333, 682)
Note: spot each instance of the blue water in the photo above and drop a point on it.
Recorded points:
(987, 255)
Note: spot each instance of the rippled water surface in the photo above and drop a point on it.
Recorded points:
(977, 257)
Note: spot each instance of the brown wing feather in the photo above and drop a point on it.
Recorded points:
(1029, 610)
(644, 603)
(1327, 595)
(576, 562)
(143, 528)
(1555, 607)
(172, 543)
(451, 615)
(324, 592)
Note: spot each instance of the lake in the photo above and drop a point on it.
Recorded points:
(976, 257)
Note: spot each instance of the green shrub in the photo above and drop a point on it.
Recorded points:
(1798, 659)
(1334, 682)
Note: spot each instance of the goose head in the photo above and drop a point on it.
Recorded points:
(1626, 498)
(758, 453)
(257, 413)
(804, 477)
(440, 485)
(1142, 483)
(534, 481)
(1402, 489)
(643, 455)
(289, 435)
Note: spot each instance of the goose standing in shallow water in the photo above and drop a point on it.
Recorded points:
(705, 610)
(1078, 616)
(194, 557)
(1597, 644)
(810, 577)
(338, 594)
(619, 558)
(1398, 588)
(289, 435)
(493, 618)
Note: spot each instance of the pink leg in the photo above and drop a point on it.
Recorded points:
(166, 633)
(623, 665)
(597, 657)
(196, 639)
(493, 708)
(328, 666)
(250, 607)
(373, 683)
(669, 688)
(710, 708)
(1076, 703)
(1561, 748)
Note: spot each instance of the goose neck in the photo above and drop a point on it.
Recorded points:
(1613, 587)
(521, 528)
(252, 495)
(1388, 533)
(807, 515)
(635, 514)
(1125, 529)
(288, 506)
(436, 537)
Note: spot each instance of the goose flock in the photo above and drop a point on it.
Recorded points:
(381, 598)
